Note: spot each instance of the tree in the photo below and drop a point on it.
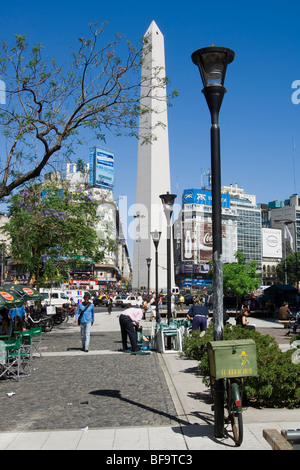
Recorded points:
(239, 278)
(52, 230)
(290, 265)
(48, 106)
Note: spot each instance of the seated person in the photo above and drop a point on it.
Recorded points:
(284, 312)
(18, 317)
(241, 319)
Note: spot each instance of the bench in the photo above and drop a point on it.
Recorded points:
(287, 324)
(276, 440)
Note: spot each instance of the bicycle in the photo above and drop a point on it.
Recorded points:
(233, 406)
(232, 393)
(230, 362)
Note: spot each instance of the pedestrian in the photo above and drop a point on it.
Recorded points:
(198, 314)
(173, 309)
(85, 318)
(181, 302)
(129, 322)
(152, 307)
(109, 305)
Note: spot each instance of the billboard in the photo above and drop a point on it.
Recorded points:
(272, 244)
(203, 196)
(101, 168)
(197, 241)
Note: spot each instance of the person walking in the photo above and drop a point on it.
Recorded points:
(129, 322)
(198, 314)
(109, 305)
(85, 318)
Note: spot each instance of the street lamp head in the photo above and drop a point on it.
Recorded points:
(212, 62)
(155, 237)
(168, 201)
(148, 262)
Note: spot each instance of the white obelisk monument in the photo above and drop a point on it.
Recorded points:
(153, 169)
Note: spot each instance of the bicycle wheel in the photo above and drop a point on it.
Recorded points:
(234, 406)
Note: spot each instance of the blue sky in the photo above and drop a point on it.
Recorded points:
(258, 120)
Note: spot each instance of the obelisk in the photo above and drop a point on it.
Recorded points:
(153, 168)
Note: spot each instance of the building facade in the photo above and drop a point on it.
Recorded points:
(241, 230)
(115, 272)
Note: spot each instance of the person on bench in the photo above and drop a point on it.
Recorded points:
(284, 312)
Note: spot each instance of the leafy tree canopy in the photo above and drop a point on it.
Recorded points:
(53, 229)
(240, 279)
(291, 267)
(48, 106)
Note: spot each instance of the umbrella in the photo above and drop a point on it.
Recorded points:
(25, 292)
(9, 299)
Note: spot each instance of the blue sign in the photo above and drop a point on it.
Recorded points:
(101, 168)
(203, 196)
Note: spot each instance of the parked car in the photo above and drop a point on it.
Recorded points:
(99, 300)
(117, 300)
(129, 301)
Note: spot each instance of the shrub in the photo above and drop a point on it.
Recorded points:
(278, 380)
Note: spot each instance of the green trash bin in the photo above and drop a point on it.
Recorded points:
(140, 337)
(236, 358)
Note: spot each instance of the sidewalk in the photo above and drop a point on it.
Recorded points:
(193, 429)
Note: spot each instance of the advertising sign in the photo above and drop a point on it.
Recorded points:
(203, 196)
(272, 246)
(188, 242)
(101, 168)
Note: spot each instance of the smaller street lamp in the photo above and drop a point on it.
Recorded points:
(156, 237)
(168, 201)
(148, 266)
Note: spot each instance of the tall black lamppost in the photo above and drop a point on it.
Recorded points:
(212, 62)
(156, 237)
(148, 267)
(168, 201)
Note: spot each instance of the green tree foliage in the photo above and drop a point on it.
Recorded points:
(239, 278)
(292, 266)
(50, 107)
(53, 229)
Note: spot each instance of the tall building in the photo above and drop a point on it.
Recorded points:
(153, 168)
(287, 213)
(193, 236)
(248, 214)
(116, 266)
(241, 230)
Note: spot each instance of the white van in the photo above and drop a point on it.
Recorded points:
(55, 297)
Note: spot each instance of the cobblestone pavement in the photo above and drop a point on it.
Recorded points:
(73, 392)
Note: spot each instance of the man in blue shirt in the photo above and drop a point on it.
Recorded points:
(18, 317)
(85, 313)
(198, 314)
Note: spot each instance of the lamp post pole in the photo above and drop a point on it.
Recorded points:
(212, 62)
(168, 201)
(148, 266)
(156, 237)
